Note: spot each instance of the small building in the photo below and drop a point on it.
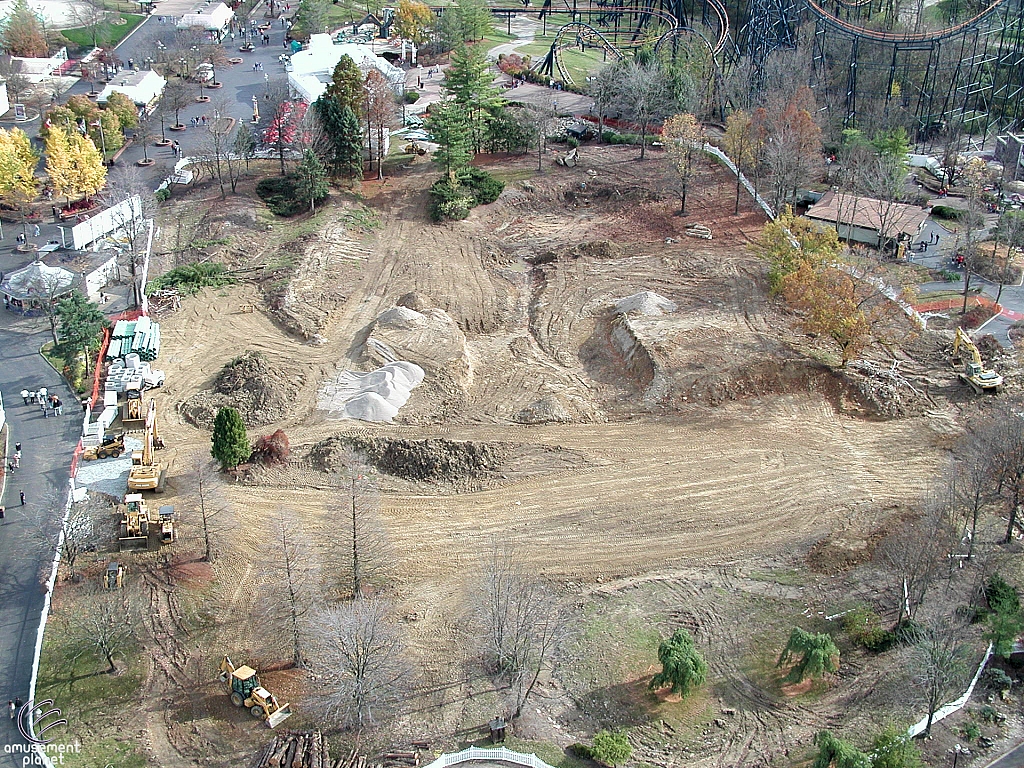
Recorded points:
(210, 17)
(28, 290)
(143, 87)
(863, 219)
(310, 70)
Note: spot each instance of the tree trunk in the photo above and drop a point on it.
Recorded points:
(967, 286)
(682, 203)
(736, 211)
(1013, 521)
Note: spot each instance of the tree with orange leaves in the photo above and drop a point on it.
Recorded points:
(793, 145)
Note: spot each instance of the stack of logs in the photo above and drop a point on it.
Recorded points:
(304, 749)
(294, 749)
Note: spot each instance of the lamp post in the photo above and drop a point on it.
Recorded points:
(184, 65)
(103, 140)
(266, 81)
(957, 751)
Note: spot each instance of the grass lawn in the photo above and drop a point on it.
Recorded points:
(111, 35)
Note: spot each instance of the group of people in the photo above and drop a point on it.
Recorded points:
(15, 463)
(44, 400)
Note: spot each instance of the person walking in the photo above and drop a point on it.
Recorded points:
(42, 407)
(24, 396)
(59, 407)
(10, 703)
(17, 460)
(17, 447)
(22, 494)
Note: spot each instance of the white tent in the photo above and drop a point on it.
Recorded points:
(310, 69)
(142, 87)
(29, 288)
(213, 17)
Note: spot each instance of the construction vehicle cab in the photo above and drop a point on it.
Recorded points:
(113, 577)
(147, 474)
(112, 445)
(134, 523)
(980, 378)
(244, 689)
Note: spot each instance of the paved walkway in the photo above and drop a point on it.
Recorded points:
(47, 447)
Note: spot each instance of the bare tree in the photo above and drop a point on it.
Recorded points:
(523, 620)
(126, 185)
(1003, 435)
(538, 121)
(939, 666)
(91, 16)
(971, 474)
(104, 623)
(645, 95)
(915, 554)
(380, 113)
(361, 659)
(365, 550)
(215, 514)
(70, 534)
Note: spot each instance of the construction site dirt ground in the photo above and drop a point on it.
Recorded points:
(680, 480)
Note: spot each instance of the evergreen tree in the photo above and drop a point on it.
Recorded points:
(347, 86)
(312, 179)
(838, 753)
(22, 32)
(682, 666)
(80, 325)
(230, 441)
(468, 81)
(450, 128)
(818, 655)
(344, 154)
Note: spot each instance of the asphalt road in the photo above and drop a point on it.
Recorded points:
(47, 447)
(1012, 759)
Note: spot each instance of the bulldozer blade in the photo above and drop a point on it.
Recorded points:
(133, 542)
(280, 716)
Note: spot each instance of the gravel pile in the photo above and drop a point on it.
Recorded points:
(645, 303)
(373, 396)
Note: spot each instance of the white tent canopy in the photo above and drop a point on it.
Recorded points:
(36, 284)
(213, 17)
(142, 87)
(311, 68)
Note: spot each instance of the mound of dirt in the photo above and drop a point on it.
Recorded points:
(547, 410)
(435, 459)
(645, 303)
(260, 392)
(415, 301)
(429, 338)
(596, 249)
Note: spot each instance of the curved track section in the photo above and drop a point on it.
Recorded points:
(865, 33)
(579, 35)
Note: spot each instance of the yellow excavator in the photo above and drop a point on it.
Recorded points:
(980, 378)
(245, 689)
(147, 474)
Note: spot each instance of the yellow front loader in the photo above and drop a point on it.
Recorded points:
(245, 689)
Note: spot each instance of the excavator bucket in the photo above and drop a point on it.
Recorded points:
(280, 716)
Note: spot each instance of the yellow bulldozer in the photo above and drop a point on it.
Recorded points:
(245, 689)
(147, 474)
(141, 528)
(980, 378)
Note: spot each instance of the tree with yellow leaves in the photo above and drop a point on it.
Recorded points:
(413, 21)
(683, 136)
(74, 164)
(789, 241)
(18, 162)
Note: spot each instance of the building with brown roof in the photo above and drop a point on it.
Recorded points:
(867, 220)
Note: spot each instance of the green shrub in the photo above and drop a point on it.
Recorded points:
(907, 632)
(988, 714)
(972, 731)
(162, 195)
(485, 187)
(1001, 597)
(573, 142)
(189, 278)
(948, 213)
(411, 97)
(581, 751)
(997, 679)
(864, 627)
(611, 747)
(281, 194)
(949, 275)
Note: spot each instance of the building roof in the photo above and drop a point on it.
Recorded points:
(36, 281)
(867, 213)
(208, 15)
(141, 87)
(311, 68)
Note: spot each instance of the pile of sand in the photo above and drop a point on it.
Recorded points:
(373, 396)
(645, 303)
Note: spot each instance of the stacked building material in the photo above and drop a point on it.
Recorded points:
(294, 749)
(140, 336)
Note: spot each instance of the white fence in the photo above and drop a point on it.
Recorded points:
(953, 706)
(500, 754)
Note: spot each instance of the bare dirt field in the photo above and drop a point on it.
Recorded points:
(662, 470)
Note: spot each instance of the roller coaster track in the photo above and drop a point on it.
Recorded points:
(579, 34)
(864, 33)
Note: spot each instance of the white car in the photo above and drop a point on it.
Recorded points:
(418, 136)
